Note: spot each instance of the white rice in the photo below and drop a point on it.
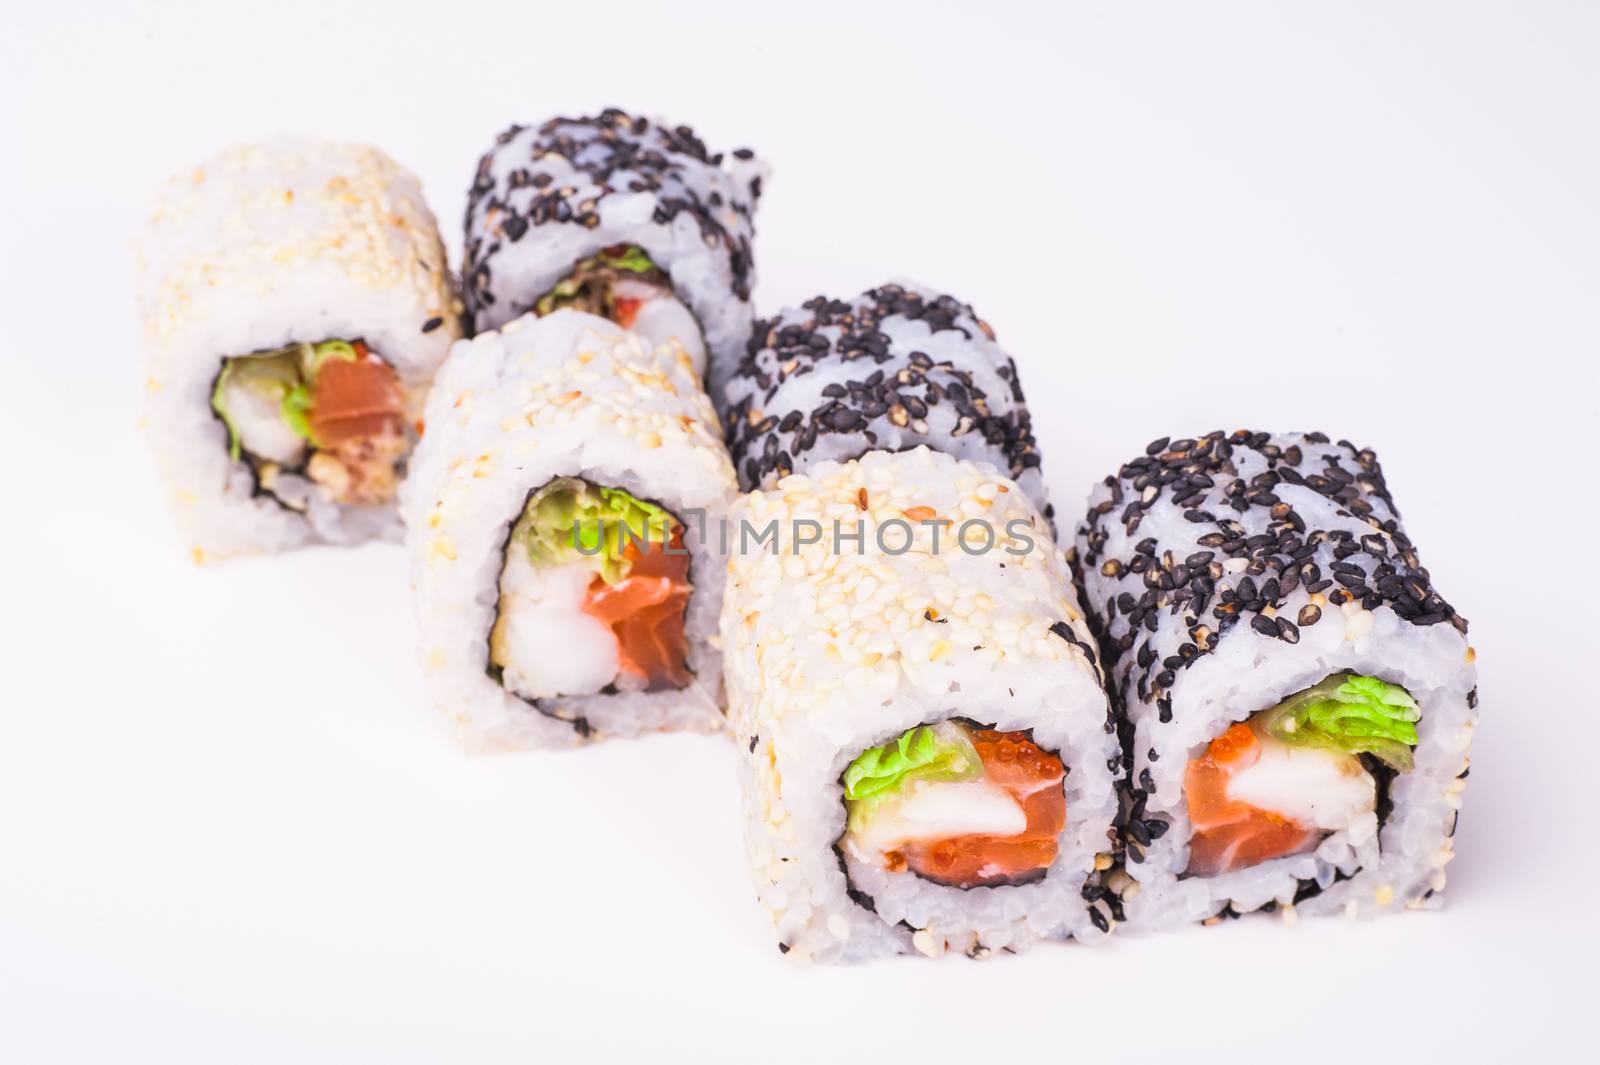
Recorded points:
(833, 651)
(1351, 871)
(264, 246)
(568, 395)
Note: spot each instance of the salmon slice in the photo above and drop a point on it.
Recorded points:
(1033, 777)
(353, 399)
(1230, 835)
(625, 311)
(645, 612)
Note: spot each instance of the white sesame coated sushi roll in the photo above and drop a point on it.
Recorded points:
(896, 367)
(295, 301)
(557, 516)
(625, 217)
(1298, 699)
(928, 760)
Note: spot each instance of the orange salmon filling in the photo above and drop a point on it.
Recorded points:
(626, 311)
(355, 398)
(1033, 777)
(645, 611)
(357, 421)
(1231, 835)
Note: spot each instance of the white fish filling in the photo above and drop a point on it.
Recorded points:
(257, 419)
(544, 641)
(662, 317)
(928, 810)
(1316, 788)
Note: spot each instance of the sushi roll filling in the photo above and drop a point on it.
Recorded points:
(593, 595)
(957, 804)
(1280, 782)
(325, 418)
(623, 284)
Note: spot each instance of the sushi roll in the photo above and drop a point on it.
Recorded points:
(557, 516)
(1298, 698)
(896, 367)
(927, 755)
(295, 302)
(624, 217)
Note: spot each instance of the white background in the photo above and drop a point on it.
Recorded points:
(230, 828)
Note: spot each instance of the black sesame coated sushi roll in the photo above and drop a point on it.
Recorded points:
(625, 217)
(1298, 698)
(896, 367)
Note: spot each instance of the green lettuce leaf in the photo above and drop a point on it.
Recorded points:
(317, 354)
(295, 410)
(575, 288)
(1353, 714)
(927, 752)
(567, 519)
(631, 258)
